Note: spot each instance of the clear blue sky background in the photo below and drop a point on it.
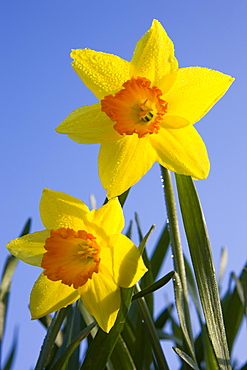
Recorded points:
(39, 89)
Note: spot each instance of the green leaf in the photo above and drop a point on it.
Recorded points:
(193, 288)
(152, 333)
(46, 322)
(164, 336)
(88, 319)
(155, 286)
(147, 279)
(223, 263)
(176, 330)
(163, 317)
(233, 310)
(121, 358)
(122, 198)
(46, 350)
(160, 251)
(186, 358)
(143, 356)
(209, 355)
(71, 329)
(129, 230)
(129, 333)
(199, 245)
(244, 286)
(10, 359)
(199, 348)
(8, 271)
(145, 239)
(178, 289)
(71, 348)
(26, 228)
(143, 351)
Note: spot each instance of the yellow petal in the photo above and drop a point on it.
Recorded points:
(29, 248)
(106, 220)
(176, 122)
(106, 256)
(153, 56)
(195, 91)
(102, 73)
(124, 162)
(128, 265)
(182, 151)
(49, 296)
(101, 297)
(89, 125)
(61, 210)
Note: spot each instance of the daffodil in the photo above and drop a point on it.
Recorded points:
(146, 111)
(82, 254)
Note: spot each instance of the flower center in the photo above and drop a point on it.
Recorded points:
(137, 108)
(71, 256)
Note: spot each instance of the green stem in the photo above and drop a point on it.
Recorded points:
(154, 339)
(178, 261)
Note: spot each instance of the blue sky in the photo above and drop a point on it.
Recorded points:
(39, 89)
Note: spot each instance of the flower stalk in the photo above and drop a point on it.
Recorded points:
(182, 301)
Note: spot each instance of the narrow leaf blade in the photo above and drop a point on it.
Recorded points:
(200, 251)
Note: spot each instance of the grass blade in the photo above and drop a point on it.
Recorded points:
(233, 310)
(72, 347)
(160, 251)
(244, 286)
(9, 362)
(121, 358)
(163, 317)
(44, 356)
(223, 263)
(154, 339)
(155, 286)
(8, 271)
(199, 245)
(186, 358)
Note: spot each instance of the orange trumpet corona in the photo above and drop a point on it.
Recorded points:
(137, 108)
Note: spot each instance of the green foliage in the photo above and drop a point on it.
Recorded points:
(196, 231)
(8, 271)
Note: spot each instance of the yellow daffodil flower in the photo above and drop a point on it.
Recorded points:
(83, 254)
(146, 111)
